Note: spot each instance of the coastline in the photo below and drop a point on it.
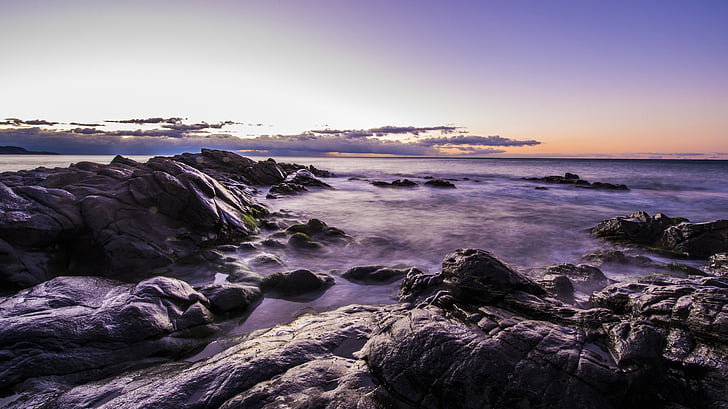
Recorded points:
(176, 216)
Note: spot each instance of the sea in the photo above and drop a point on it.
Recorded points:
(492, 208)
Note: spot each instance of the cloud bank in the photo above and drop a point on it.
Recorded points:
(172, 135)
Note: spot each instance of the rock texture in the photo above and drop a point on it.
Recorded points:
(82, 328)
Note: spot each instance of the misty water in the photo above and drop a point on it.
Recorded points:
(491, 208)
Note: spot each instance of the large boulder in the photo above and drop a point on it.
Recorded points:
(478, 276)
(639, 228)
(83, 328)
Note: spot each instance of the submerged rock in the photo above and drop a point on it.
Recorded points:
(396, 183)
(616, 257)
(376, 274)
(718, 264)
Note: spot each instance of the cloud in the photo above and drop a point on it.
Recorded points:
(476, 141)
(174, 137)
(173, 120)
(385, 130)
(86, 125)
(32, 122)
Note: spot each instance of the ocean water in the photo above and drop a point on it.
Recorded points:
(491, 208)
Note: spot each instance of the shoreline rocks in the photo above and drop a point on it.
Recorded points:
(124, 219)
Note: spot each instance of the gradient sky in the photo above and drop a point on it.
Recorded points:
(624, 78)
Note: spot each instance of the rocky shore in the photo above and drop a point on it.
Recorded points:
(98, 311)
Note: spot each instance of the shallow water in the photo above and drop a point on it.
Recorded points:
(492, 208)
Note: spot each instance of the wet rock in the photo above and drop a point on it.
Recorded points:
(478, 276)
(600, 257)
(684, 269)
(121, 220)
(304, 177)
(229, 297)
(376, 274)
(316, 229)
(302, 241)
(311, 362)
(584, 278)
(266, 260)
(83, 328)
(396, 183)
(440, 183)
(698, 240)
(637, 228)
(286, 189)
(272, 243)
(297, 283)
(672, 234)
(718, 264)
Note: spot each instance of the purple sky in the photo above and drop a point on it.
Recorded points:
(581, 77)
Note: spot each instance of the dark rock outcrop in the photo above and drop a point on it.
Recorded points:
(396, 183)
(673, 234)
(440, 183)
(127, 218)
(122, 218)
(83, 328)
(574, 179)
(316, 230)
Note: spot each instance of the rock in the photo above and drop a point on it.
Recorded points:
(302, 241)
(584, 278)
(499, 341)
(266, 260)
(230, 297)
(439, 183)
(697, 240)
(318, 230)
(297, 283)
(286, 189)
(573, 179)
(477, 276)
(121, 220)
(684, 269)
(304, 177)
(600, 257)
(718, 264)
(376, 274)
(84, 328)
(311, 362)
(417, 285)
(396, 183)
(560, 286)
(673, 234)
(637, 228)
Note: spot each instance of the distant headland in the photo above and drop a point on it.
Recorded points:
(16, 150)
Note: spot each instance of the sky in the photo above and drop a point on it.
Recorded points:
(485, 78)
